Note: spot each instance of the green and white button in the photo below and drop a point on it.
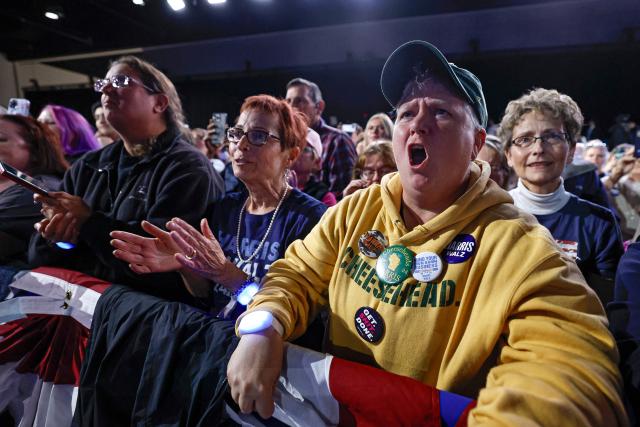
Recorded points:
(394, 264)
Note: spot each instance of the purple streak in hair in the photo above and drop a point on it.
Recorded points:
(76, 134)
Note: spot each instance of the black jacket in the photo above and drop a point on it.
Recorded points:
(174, 180)
(18, 214)
(153, 363)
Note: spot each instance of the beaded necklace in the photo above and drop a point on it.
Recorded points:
(273, 217)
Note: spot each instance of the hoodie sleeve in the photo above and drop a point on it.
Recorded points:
(557, 359)
(296, 286)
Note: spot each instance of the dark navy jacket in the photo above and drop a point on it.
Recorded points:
(581, 178)
(590, 233)
(624, 322)
(174, 180)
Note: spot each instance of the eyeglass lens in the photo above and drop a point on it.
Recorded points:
(550, 138)
(255, 137)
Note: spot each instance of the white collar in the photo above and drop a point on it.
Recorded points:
(540, 204)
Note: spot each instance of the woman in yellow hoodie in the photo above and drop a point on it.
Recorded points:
(435, 275)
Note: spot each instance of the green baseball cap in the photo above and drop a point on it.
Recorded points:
(413, 58)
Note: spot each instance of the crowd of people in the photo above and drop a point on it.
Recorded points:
(499, 272)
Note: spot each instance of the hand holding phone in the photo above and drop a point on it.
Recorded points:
(19, 106)
(216, 128)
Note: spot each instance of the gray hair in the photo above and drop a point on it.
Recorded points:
(314, 90)
(550, 103)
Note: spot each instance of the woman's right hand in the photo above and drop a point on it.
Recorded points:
(355, 185)
(146, 254)
(253, 370)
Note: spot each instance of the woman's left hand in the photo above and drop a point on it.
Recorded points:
(204, 255)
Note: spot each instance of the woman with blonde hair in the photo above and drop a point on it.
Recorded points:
(378, 127)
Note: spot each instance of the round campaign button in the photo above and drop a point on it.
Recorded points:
(372, 243)
(369, 324)
(394, 264)
(427, 266)
(461, 248)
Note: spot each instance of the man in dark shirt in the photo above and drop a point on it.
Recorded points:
(338, 151)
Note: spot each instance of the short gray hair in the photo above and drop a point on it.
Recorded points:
(314, 89)
(550, 103)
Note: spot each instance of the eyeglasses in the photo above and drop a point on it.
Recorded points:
(118, 81)
(551, 138)
(255, 136)
(370, 173)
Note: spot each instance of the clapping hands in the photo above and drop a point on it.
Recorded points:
(64, 216)
(181, 247)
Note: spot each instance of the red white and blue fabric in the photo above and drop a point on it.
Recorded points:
(42, 344)
(322, 390)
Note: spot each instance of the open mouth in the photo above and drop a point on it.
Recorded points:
(417, 155)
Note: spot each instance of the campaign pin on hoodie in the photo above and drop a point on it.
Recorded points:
(513, 325)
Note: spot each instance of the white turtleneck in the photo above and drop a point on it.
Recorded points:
(540, 204)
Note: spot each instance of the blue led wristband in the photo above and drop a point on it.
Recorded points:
(244, 294)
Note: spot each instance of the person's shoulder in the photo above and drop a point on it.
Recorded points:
(325, 129)
(581, 168)
(589, 210)
(182, 147)
(181, 154)
(100, 157)
(518, 242)
(302, 202)
(506, 220)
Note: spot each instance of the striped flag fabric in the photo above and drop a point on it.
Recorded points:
(317, 389)
(43, 338)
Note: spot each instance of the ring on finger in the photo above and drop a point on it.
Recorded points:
(192, 255)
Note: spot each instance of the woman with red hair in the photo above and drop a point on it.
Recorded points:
(253, 228)
(222, 264)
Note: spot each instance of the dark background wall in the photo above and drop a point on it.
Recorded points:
(603, 81)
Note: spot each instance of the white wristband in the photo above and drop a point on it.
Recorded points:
(258, 321)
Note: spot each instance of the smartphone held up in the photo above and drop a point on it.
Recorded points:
(22, 179)
(219, 121)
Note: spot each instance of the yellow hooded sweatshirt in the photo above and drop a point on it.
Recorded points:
(513, 326)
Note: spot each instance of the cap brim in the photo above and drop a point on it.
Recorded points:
(401, 65)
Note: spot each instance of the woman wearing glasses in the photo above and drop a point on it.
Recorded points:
(152, 173)
(375, 162)
(222, 263)
(539, 131)
(251, 229)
